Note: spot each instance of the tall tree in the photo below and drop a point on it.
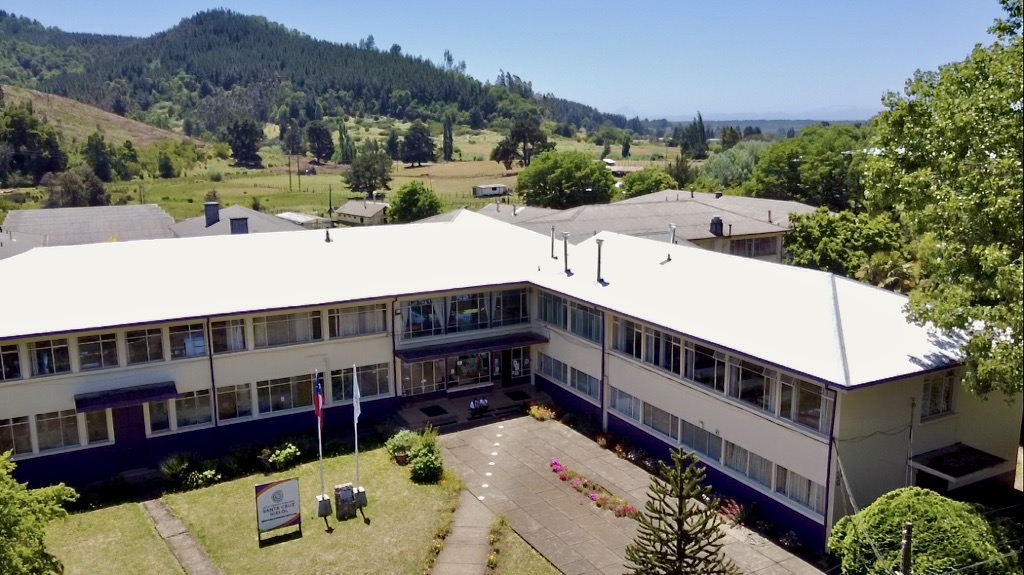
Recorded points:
(682, 170)
(393, 145)
(526, 138)
(98, 156)
(370, 171)
(565, 180)
(950, 163)
(292, 141)
(321, 142)
(346, 147)
(731, 136)
(506, 153)
(412, 202)
(418, 145)
(23, 522)
(447, 136)
(679, 531)
(626, 144)
(74, 189)
(245, 137)
(29, 147)
(841, 243)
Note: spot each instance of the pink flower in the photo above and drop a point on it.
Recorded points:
(563, 476)
(592, 496)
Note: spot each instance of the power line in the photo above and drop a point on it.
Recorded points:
(980, 563)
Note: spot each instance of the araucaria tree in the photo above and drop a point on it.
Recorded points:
(566, 179)
(26, 512)
(679, 531)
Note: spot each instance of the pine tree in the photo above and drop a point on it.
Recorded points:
(679, 531)
(447, 146)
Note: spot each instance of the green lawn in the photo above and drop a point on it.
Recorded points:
(117, 540)
(404, 517)
(516, 556)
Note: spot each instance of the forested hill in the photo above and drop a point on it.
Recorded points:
(219, 65)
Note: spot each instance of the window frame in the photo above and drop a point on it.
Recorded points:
(292, 332)
(634, 408)
(341, 382)
(53, 346)
(648, 421)
(241, 390)
(586, 321)
(941, 387)
(8, 428)
(553, 310)
(297, 386)
(145, 336)
(105, 343)
(364, 318)
(584, 383)
(230, 341)
(186, 333)
(170, 407)
(10, 362)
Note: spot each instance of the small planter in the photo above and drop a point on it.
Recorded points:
(401, 458)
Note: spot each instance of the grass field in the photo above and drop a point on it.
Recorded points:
(515, 556)
(117, 540)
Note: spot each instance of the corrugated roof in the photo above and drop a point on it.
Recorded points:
(73, 226)
(801, 319)
(258, 222)
(365, 209)
(514, 214)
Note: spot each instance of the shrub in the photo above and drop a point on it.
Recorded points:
(243, 459)
(215, 175)
(280, 457)
(401, 442)
(221, 151)
(176, 468)
(541, 412)
(425, 463)
(204, 478)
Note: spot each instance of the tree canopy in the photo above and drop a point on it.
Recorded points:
(26, 512)
(646, 181)
(839, 243)
(950, 164)
(418, 145)
(563, 180)
(29, 147)
(731, 168)
(413, 201)
(321, 142)
(245, 137)
(947, 535)
(370, 171)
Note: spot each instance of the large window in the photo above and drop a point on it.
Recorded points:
(373, 380)
(145, 345)
(800, 489)
(625, 404)
(586, 384)
(357, 320)
(187, 341)
(755, 247)
(468, 312)
(705, 366)
(287, 328)
(423, 317)
(227, 336)
(97, 427)
(15, 435)
(752, 384)
(661, 421)
(97, 351)
(702, 441)
(627, 337)
(57, 429)
(422, 377)
(234, 402)
(520, 361)
(469, 369)
(586, 322)
(553, 310)
(285, 393)
(191, 409)
(553, 368)
(511, 307)
(10, 364)
(805, 404)
(937, 398)
(50, 356)
(663, 350)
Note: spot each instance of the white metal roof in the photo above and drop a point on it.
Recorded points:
(832, 329)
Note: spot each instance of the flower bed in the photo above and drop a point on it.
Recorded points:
(594, 491)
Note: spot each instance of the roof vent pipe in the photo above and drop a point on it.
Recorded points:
(497, 206)
(730, 230)
(328, 238)
(565, 245)
(672, 233)
(691, 194)
(553, 256)
(769, 216)
(600, 242)
(718, 195)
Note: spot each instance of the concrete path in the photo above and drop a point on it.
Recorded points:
(189, 553)
(506, 467)
(466, 548)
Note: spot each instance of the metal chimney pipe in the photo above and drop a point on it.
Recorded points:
(497, 206)
(672, 233)
(769, 216)
(553, 243)
(565, 245)
(600, 242)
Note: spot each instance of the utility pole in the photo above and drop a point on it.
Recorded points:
(908, 528)
(289, 172)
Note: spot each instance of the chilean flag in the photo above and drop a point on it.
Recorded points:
(318, 399)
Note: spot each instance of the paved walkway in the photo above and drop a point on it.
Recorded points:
(506, 467)
(466, 547)
(189, 553)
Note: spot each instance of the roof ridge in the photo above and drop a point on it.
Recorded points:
(841, 339)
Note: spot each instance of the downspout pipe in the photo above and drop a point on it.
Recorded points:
(213, 378)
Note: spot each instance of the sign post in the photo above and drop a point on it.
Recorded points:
(277, 506)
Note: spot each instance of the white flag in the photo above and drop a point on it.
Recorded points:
(355, 395)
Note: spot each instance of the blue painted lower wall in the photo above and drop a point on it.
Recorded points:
(567, 400)
(810, 532)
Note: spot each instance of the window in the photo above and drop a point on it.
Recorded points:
(663, 350)
(511, 307)
(423, 317)
(661, 421)
(553, 368)
(187, 341)
(422, 377)
(755, 247)
(97, 429)
(705, 366)
(287, 328)
(227, 336)
(50, 356)
(57, 429)
(800, 489)
(468, 312)
(736, 458)
(805, 404)
(359, 320)
(97, 351)
(145, 345)
(752, 384)
(189, 409)
(627, 337)
(159, 416)
(10, 365)
(585, 384)
(469, 369)
(586, 322)
(285, 393)
(760, 470)
(702, 441)
(937, 398)
(373, 380)
(625, 404)
(15, 435)
(552, 310)
(234, 402)
(520, 361)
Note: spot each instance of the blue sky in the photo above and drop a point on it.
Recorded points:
(659, 58)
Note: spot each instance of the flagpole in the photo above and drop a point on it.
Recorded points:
(355, 417)
(320, 439)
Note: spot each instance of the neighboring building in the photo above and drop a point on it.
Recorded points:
(363, 213)
(490, 190)
(307, 221)
(513, 214)
(791, 384)
(751, 227)
(12, 244)
(232, 220)
(90, 225)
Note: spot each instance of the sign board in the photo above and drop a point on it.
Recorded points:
(277, 505)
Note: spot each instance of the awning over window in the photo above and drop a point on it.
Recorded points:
(961, 464)
(124, 396)
(468, 347)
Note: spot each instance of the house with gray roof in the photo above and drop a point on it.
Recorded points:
(218, 221)
(363, 213)
(86, 225)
